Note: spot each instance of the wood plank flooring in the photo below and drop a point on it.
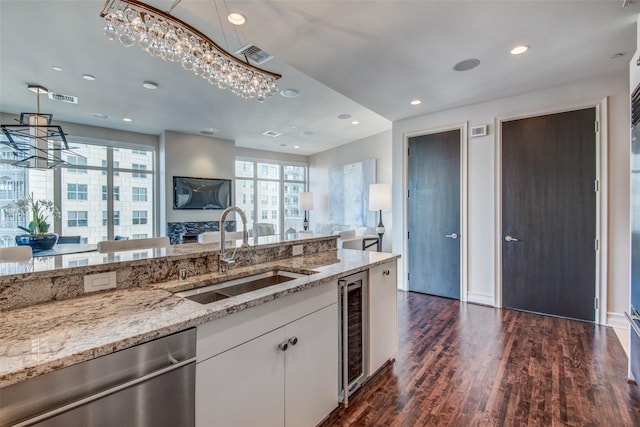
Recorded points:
(462, 364)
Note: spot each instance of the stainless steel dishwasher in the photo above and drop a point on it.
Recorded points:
(151, 384)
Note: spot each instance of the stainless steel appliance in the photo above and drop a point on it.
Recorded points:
(634, 316)
(353, 328)
(151, 384)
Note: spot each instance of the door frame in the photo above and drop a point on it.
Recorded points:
(601, 232)
(464, 208)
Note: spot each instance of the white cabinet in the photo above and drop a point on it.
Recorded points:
(311, 368)
(257, 382)
(243, 386)
(383, 314)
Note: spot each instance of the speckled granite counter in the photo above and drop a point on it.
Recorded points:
(42, 338)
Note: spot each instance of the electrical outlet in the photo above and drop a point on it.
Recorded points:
(99, 282)
(296, 250)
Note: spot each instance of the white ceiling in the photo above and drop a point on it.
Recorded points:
(359, 57)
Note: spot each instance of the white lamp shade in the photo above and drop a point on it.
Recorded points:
(380, 197)
(305, 201)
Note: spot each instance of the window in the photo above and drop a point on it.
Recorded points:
(78, 262)
(87, 171)
(137, 166)
(139, 194)
(116, 193)
(262, 184)
(77, 219)
(76, 191)
(139, 236)
(76, 160)
(139, 217)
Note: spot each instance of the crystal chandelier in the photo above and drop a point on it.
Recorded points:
(171, 39)
(35, 142)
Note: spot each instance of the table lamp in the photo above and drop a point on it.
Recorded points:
(306, 204)
(380, 200)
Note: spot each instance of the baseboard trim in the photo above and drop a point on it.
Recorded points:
(617, 320)
(478, 298)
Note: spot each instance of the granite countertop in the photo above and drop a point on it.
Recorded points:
(45, 337)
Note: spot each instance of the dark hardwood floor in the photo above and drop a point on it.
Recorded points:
(468, 365)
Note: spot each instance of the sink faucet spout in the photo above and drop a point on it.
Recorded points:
(224, 262)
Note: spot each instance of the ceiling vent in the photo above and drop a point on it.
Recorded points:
(63, 98)
(254, 54)
(272, 133)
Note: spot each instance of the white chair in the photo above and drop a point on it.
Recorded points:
(349, 240)
(263, 229)
(129, 245)
(214, 236)
(16, 254)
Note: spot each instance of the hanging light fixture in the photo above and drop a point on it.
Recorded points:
(35, 142)
(171, 39)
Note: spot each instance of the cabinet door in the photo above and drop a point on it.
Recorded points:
(383, 315)
(311, 368)
(243, 386)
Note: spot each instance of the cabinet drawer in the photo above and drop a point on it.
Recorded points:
(223, 334)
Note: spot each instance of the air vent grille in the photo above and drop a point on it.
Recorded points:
(63, 98)
(254, 54)
(272, 133)
(478, 131)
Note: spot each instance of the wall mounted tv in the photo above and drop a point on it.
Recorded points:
(201, 193)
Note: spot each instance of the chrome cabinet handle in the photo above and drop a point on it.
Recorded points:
(293, 340)
(509, 238)
(283, 346)
(451, 236)
(385, 273)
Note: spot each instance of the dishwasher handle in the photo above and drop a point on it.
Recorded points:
(104, 393)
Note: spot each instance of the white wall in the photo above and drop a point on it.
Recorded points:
(373, 147)
(482, 176)
(196, 156)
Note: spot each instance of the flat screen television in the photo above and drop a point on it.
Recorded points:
(201, 193)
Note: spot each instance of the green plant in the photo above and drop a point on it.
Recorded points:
(40, 211)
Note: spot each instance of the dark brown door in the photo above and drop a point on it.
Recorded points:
(434, 214)
(549, 214)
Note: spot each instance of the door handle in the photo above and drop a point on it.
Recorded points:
(509, 238)
(451, 236)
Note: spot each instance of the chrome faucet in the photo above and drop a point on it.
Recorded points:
(224, 261)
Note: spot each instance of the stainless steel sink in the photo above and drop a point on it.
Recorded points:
(232, 288)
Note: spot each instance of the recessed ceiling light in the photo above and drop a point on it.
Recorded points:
(88, 77)
(416, 102)
(127, 119)
(344, 116)
(355, 122)
(149, 85)
(56, 68)
(290, 93)
(209, 131)
(99, 115)
(296, 146)
(467, 64)
(519, 49)
(236, 18)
